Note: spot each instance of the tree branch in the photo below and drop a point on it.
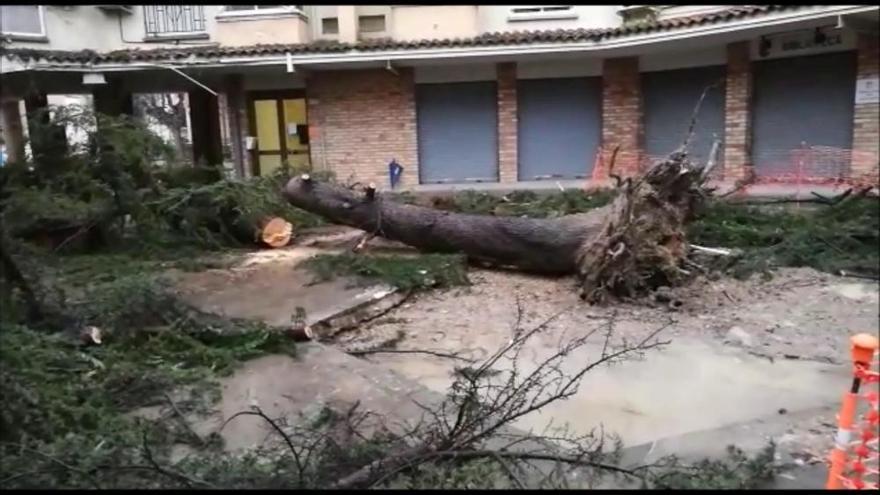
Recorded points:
(408, 351)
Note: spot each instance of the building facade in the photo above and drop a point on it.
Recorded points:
(480, 96)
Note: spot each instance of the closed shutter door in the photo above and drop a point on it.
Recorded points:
(457, 126)
(560, 125)
(803, 101)
(669, 101)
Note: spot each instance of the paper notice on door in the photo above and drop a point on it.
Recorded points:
(291, 129)
(868, 90)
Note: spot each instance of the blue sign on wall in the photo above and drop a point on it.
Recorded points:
(394, 173)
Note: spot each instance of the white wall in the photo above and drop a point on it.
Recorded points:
(493, 18)
(81, 27)
(413, 22)
(671, 11)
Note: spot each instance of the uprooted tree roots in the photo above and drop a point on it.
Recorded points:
(642, 242)
(634, 244)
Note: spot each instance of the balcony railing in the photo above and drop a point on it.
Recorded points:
(162, 21)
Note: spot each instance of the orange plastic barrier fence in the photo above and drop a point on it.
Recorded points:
(806, 166)
(855, 458)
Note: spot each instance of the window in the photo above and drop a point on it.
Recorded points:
(371, 23)
(538, 10)
(22, 20)
(233, 8)
(542, 12)
(330, 25)
(167, 20)
(250, 11)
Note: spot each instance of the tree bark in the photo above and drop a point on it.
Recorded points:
(635, 243)
(537, 245)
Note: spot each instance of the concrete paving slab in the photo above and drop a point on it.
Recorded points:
(691, 385)
(283, 386)
(271, 292)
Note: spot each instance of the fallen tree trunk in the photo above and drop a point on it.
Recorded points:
(538, 245)
(633, 244)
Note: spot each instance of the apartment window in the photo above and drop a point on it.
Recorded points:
(22, 20)
(371, 23)
(330, 25)
(231, 12)
(250, 8)
(170, 20)
(542, 12)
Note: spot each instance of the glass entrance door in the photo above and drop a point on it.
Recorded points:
(280, 124)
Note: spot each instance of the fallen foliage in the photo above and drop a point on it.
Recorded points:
(827, 238)
(404, 272)
(529, 204)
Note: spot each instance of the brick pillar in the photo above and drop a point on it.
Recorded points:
(622, 114)
(314, 113)
(236, 116)
(866, 118)
(508, 165)
(207, 142)
(738, 113)
(13, 132)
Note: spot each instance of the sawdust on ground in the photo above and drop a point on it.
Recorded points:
(799, 313)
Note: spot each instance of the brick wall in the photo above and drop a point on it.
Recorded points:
(737, 113)
(507, 123)
(866, 121)
(621, 115)
(360, 120)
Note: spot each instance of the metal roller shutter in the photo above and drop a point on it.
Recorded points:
(457, 132)
(559, 127)
(669, 101)
(803, 101)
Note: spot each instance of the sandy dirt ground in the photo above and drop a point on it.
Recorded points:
(799, 314)
(738, 349)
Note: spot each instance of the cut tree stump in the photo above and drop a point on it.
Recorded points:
(276, 232)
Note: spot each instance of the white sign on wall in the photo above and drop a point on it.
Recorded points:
(868, 90)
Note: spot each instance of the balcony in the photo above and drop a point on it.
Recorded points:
(174, 22)
(240, 25)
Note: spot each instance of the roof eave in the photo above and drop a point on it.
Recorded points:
(749, 24)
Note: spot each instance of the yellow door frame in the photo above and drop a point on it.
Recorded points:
(279, 96)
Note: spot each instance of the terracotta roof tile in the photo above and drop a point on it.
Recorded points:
(374, 45)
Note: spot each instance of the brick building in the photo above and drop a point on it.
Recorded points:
(493, 96)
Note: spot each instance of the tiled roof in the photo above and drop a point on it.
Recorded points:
(378, 45)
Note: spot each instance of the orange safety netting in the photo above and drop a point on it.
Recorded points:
(855, 460)
(807, 166)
